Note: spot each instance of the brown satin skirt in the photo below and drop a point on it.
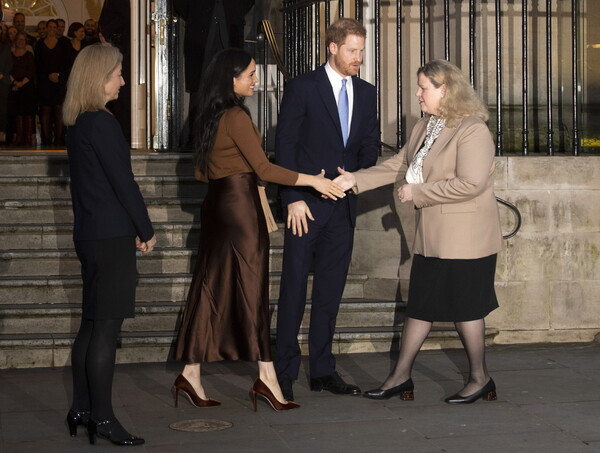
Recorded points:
(226, 315)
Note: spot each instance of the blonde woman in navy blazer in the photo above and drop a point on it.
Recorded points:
(447, 168)
(111, 221)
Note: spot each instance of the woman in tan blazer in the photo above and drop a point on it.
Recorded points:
(447, 168)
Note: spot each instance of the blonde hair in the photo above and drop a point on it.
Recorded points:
(85, 87)
(460, 99)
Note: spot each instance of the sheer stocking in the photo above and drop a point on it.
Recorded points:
(413, 336)
(472, 335)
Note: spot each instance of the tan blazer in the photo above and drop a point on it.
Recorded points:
(456, 210)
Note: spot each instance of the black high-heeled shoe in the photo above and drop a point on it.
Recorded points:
(487, 392)
(405, 390)
(107, 429)
(75, 418)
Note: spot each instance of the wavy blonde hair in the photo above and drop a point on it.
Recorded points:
(85, 87)
(460, 99)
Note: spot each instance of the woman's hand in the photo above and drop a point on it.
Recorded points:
(405, 193)
(346, 180)
(145, 247)
(327, 187)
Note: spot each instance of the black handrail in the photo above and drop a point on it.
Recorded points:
(515, 211)
(516, 214)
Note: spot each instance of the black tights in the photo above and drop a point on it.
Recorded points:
(93, 365)
(472, 336)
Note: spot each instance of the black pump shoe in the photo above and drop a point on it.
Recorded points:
(487, 392)
(75, 418)
(405, 390)
(104, 428)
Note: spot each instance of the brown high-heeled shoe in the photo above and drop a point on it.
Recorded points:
(181, 383)
(260, 389)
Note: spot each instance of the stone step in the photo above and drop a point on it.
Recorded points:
(164, 316)
(30, 263)
(151, 288)
(50, 212)
(60, 236)
(56, 164)
(57, 187)
(28, 212)
(47, 350)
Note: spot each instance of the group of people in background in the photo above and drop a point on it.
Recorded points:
(34, 70)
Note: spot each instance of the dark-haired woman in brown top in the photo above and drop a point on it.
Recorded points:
(226, 316)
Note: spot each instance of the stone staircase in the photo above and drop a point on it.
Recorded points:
(40, 288)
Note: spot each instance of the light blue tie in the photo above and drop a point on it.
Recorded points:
(343, 111)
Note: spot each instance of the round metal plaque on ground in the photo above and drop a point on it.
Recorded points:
(200, 425)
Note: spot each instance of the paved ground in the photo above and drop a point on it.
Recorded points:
(548, 401)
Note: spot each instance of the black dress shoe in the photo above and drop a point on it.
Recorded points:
(286, 388)
(487, 392)
(334, 384)
(405, 390)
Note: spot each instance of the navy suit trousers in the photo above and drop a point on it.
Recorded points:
(327, 248)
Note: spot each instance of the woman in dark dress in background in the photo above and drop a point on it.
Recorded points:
(111, 221)
(226, 316)
(76, 33)
(22, 101)
(51, 69)
(5, 67)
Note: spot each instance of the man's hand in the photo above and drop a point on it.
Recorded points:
(145, 247)
(296, 219)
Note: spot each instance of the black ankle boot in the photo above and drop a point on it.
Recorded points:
(75, 418)
(113, 431)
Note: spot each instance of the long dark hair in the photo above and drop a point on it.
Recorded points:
(217, 96)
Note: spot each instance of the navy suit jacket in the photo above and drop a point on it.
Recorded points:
(309, 136)
(107, 202)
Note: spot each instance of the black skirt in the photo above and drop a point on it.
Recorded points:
(451, 290)
(109, 277)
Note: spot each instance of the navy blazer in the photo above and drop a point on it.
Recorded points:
(309, 135)
(107, 202)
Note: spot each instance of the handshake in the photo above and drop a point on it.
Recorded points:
(346, 181)
(337, 188)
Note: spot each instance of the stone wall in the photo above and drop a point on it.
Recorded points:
(548, 275)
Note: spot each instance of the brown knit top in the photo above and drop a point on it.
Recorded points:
(237, 149)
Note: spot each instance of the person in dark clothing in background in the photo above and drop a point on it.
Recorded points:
(91, 32)
(51, 68)
(115, 25)
(211, 26)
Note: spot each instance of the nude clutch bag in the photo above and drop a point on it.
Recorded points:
(264, 201)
